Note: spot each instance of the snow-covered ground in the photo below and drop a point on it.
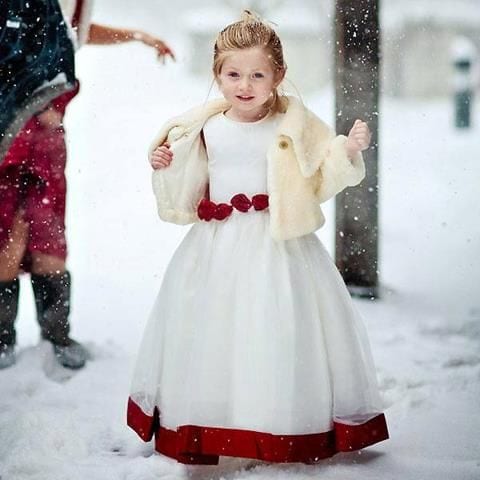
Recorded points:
(425, 331)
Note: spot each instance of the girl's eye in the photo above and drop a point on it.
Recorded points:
(258, 75)
(232, 74)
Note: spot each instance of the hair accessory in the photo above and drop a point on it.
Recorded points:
(249, 16)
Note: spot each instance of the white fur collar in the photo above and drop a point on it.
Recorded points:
(291, 125)
(296, 120)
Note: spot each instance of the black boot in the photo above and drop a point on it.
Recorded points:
(52, 298)
(8, 312)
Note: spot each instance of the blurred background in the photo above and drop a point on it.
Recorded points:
(418, 36)
(425, 328)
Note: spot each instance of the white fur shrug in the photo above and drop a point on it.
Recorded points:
(307, 165)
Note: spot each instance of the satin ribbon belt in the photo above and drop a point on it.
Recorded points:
(208, 210)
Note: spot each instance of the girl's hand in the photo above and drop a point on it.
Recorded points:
(161, 157)
(358, 138)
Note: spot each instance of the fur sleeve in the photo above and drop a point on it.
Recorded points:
(327, 157)
(179, 187)
(169, 132)
(338, 171)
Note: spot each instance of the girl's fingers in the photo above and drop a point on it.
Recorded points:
(158, 165)
(360, 128)
(360, 125)
(359, 135)
(362, 139)
(162, 154)
(160, 158)
(163, 150)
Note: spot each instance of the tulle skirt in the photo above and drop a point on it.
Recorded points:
(254, 349)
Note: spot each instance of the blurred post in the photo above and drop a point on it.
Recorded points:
(356, 96)
(463, 56)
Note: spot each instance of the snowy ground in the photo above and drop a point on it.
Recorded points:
(425, 331)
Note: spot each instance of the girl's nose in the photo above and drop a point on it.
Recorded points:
(245, 83)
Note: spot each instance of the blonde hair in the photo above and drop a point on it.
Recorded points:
(251, 32)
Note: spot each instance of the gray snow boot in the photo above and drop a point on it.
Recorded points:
(8, 312)
(52, 298)
(7, 356)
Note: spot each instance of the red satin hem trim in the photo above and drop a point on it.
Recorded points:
(192, 444)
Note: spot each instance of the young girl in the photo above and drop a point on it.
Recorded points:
(253, 348)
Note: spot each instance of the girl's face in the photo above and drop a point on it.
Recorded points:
(246, 80)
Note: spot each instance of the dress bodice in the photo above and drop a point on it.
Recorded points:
(237, 155)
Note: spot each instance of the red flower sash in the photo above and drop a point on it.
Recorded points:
(208, 210)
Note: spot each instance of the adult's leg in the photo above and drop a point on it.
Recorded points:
(10, 258)
(52, 299)
(45, 264)
(52, 293)
(47, 248)
(51, 286)
(8, 311)
(14, 231)
(13, 248)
